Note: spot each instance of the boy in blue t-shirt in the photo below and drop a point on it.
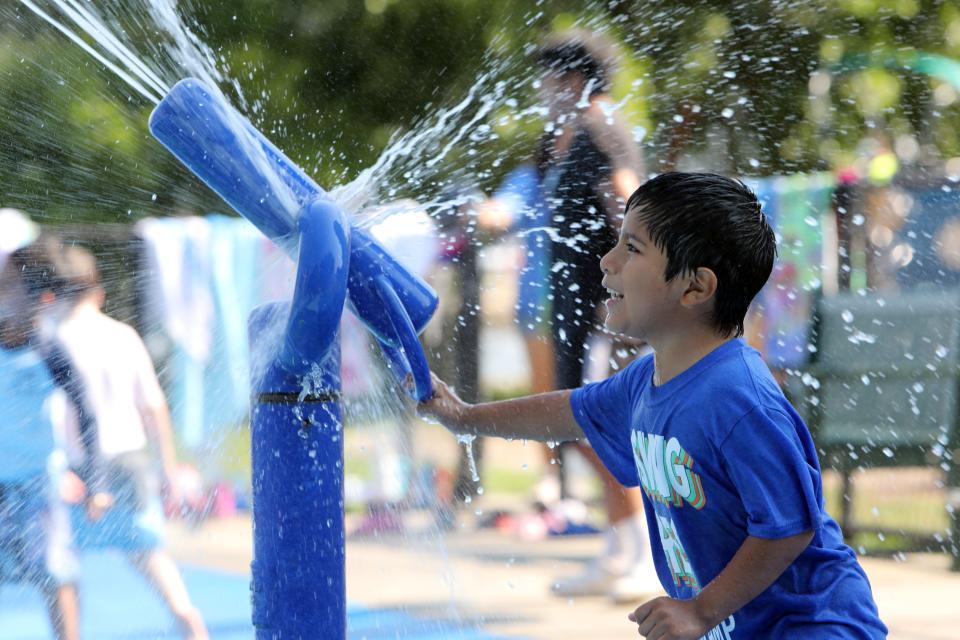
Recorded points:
(731, 482)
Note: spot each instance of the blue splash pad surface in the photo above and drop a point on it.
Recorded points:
(117, 604)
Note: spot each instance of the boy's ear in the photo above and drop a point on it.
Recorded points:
(701, 285)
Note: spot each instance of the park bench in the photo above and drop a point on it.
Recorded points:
(882, 389)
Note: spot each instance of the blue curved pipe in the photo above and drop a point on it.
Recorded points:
(405, 338)
(321, 286)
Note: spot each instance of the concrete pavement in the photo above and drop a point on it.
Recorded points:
(502, 583)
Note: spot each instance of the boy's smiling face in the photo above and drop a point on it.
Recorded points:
(641, 302)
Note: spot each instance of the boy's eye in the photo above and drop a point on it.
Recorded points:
(632, 249)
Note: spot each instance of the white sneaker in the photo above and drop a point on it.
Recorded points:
(597, 580)
(640, 584)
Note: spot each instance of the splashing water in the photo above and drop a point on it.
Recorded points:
(150, 47)
(467, 442)
(171, 50)
(128, 63)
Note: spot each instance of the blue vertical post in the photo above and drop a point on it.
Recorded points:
(298, 586)
(296, 429)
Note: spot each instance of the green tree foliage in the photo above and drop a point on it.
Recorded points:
(333, 81)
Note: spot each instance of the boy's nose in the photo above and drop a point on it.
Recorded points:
(605, 262)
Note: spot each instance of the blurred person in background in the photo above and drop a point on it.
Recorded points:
(122, 391)
(518, 206)
(36, 543)
(589, 165)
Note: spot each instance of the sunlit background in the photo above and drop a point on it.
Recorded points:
(842, 115)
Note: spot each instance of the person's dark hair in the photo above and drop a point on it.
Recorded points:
(591, 54)
(39, 266)
(711, 221)
(575, 50)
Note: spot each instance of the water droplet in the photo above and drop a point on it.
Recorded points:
(858, 337)
(467, 442)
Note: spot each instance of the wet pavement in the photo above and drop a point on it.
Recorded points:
(486, 580)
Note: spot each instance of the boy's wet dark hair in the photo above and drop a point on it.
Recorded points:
(589, 53)
(707, 220)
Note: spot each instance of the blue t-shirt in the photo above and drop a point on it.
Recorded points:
(26, 432)
(721, 455)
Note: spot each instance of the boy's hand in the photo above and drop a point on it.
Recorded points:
(443, 406)
(669, 619)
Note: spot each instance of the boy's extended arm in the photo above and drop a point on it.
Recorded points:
(546, 417)
(756, 565)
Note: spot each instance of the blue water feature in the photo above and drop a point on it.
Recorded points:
(296, 426)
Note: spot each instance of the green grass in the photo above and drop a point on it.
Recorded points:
(508, 481)
(890, 515)
(920, 513)
(357, 466)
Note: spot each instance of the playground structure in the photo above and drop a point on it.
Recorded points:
(298, 585)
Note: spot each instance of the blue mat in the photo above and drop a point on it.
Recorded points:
(117, 604)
